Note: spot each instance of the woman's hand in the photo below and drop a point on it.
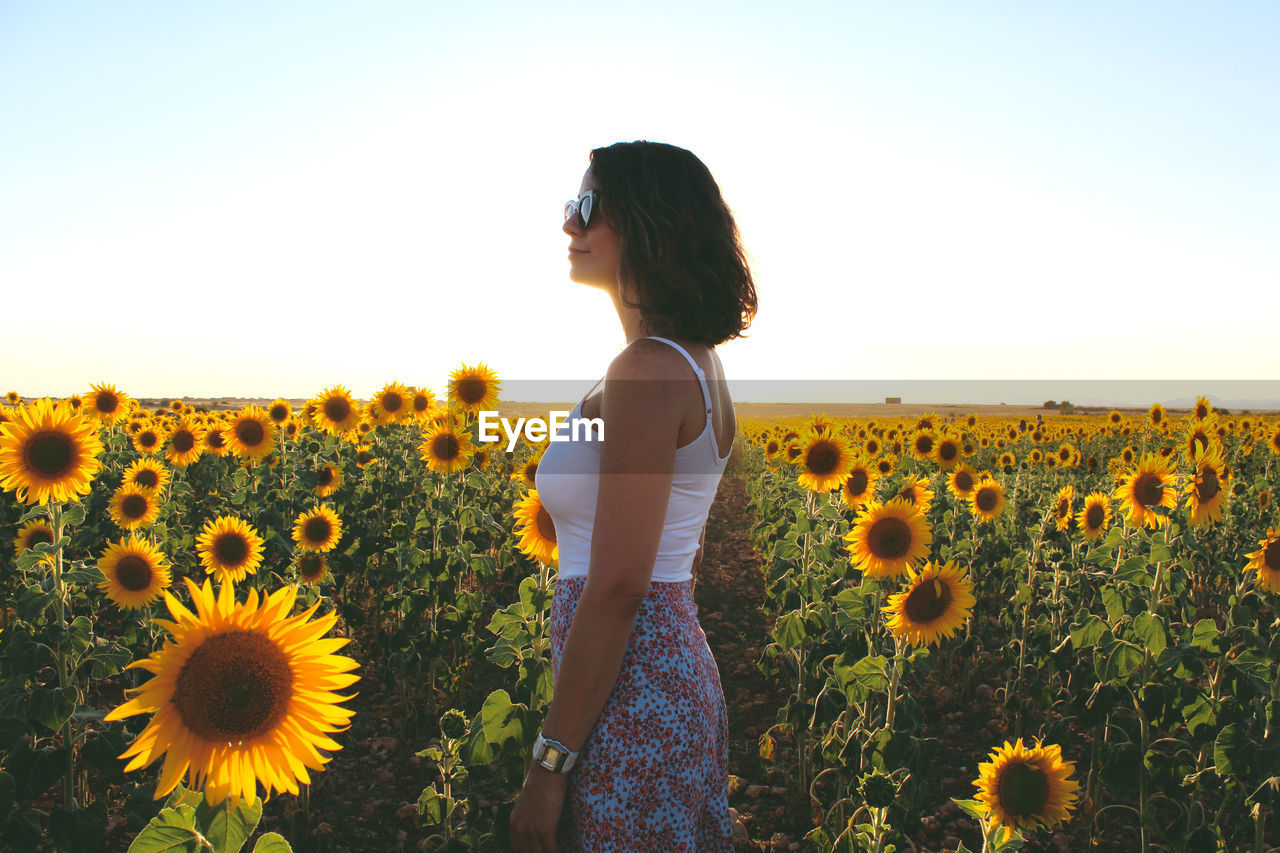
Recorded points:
(537, 811)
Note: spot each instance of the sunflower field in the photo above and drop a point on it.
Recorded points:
(192, 599)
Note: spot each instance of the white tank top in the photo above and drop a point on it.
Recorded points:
(568, 479)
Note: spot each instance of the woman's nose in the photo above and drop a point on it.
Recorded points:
(571, 226)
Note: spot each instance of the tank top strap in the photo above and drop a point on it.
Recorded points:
(702, 377)
(593, 387)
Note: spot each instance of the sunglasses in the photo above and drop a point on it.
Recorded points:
(583, 206)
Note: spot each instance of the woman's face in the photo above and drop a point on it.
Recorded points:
(597, 263)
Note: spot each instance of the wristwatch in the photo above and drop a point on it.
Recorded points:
(553, 755)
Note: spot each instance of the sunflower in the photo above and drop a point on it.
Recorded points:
(923, 445)
(537, 529)
(215, 443)
(962, 480)
(13, 398)
(37, 531)
(1094, 519)
(949, 452)
(988, 500)
(528, 472)
(252, 433)
(336, 412)
(422, 403)
(1266, 561)
(1149, 484)
(132, 507)
(364, 456)
(1203, 408)
(1274, 441)
(149, 438)
(392, 403)
(826, 461)
(279, 411)
(330, 480)
(47, 452)
(185, 442)
(1208, 489)
(474, 388)
(859, 486)
(917, 492)
(1199, 438)
(1264, 499)
(312, 568)
(886, 465)
(146, 473)
(1062, 506)
(888, 538)
(1025, 787)
(1008, 459)
(242, 693)
(1156, 414)
(446, 449)
(134, 572)
(937, 601)
(105, 403)
(229, 548)
(317, 530)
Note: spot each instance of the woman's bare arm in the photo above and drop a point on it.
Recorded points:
(641, 414)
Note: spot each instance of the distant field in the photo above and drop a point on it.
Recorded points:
(750, 410)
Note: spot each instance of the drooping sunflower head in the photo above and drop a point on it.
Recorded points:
(1095, 517)
(937, 601)
(318, 530)
(1147, 486)
(135, 572)
(826, 460)
(988, 500)
(888, 538)
(251, 433)
(1026, 787)
(229, 549)
(48, 452)
(1062, 508)
(1266, 561)
(132, 507)
(537, 530)
(242, 694)
(474, 388)
(446, 449)
(37, 531)
(105, 403)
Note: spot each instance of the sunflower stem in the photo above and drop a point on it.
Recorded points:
(68, 731)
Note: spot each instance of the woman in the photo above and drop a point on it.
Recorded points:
(634, 747)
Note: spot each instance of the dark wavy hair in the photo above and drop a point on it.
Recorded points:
(680, 254)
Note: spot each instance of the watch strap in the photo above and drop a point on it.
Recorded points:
(553, 755)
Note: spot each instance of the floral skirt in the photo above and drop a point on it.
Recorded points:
(654, 772)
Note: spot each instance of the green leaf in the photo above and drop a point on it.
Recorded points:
(1114, 603)
(789, 630)
(1086, 635)
(225, 827)
(1150, 630)
(502, 720)
(1232, 751)
(272, 842)
(1119, 662)
(170, 831)
(1207, 636)
(1160, 553)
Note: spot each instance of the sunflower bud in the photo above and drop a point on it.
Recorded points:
(878, 790)
(453, 724)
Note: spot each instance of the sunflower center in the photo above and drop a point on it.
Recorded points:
(471, 391)
(1148, 489)
(1064, 508)
(183, 441)
(279, 413)
(985, 500)
(317, 530)
(531, 472)
(392, 402)
(947, 451)
(231, 549)
(1207, 486)
(822, 458)
(214, 439)
(133, 506)
(889, 538)
(964, 481)
(326, 476)
(133, 572)
(39, 536)
(857, 482)
(49, 454)
(250, 433)
(235, 687)
(421, 403)
(924, 444)
(1271, 556)
(337, 409)
(148, 438)
(546, 526)
(106, 402)
(1023, 790)
(147, 478)
(928, 601)
(1094, 515)
(446, 447)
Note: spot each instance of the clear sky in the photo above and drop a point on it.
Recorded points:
(265, 199)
